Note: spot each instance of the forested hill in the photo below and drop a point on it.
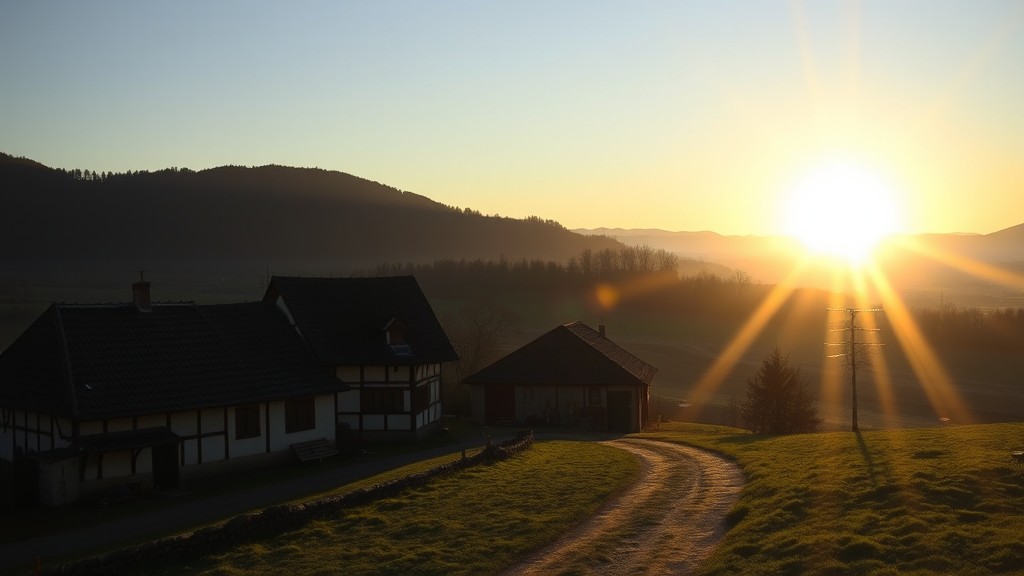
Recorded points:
(291, 220)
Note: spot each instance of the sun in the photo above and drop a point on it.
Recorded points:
(841, 209)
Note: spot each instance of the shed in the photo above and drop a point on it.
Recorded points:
(572, 375)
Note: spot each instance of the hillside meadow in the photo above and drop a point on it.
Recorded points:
(920, 501)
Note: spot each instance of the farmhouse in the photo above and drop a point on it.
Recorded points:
(572, 375)
(94, 397)
(380, 337)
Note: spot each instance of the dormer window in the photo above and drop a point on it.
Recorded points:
(394, 334)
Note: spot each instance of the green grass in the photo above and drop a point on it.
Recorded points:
(477, 521)
(927, 501)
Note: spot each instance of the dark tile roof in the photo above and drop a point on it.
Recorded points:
(572, 355)
(344, 320)
(260, 336)
(106, 361)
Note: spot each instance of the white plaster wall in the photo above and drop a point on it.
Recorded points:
(398, 421)
(213, 448)
(191, 451)
(183, 423)
(399, 374)
(152, 420)
(213, 420)
(373, 422)
(374, 373)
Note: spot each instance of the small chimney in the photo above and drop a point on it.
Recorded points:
(600, 330)
(140, 294)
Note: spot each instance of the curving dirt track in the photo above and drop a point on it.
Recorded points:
(666, 523)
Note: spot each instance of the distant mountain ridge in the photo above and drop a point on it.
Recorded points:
(230, 218)
(950, 276)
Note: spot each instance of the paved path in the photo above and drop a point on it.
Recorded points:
(666, 523)
(189, 512)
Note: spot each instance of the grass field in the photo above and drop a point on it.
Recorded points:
(918, 501)
(923, 501)
(477, 521)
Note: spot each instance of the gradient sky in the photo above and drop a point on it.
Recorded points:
(688, 115)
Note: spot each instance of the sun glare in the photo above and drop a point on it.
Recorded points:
(841, 209)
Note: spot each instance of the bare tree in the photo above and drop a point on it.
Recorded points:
(476, 332)
(740, 278)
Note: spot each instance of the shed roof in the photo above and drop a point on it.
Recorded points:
(573, 354)
(345, 320)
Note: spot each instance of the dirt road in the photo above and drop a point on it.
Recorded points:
(666, 523)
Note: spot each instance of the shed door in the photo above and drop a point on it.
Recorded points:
(500, 408)
(619, 417)
(165, 466)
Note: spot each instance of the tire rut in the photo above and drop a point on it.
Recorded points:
(665, 523)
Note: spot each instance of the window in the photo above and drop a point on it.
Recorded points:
(299, 414)
(247, 421)
(382, 401)
(595, 394)
(421, 398)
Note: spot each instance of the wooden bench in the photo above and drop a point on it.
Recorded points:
(314, 450)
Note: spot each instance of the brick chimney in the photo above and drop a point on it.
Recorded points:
(140, 295)
(601, 330)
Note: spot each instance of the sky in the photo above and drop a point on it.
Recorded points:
(684, 115)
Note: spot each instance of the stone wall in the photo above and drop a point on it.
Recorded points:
(277, 519)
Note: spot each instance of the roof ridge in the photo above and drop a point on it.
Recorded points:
(65, 358)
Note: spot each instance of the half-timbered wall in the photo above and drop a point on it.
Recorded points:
(25, 432)
(389, 398)
(206, 436)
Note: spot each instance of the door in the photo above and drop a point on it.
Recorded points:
(500, 405)
(619, 411)
(165, 466)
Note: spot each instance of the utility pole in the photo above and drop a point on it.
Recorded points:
(851, 355)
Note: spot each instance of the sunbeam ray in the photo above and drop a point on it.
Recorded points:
(739, 344)
(934, 379)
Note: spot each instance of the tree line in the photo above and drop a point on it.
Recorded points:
(646, 280)
(972, 327)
